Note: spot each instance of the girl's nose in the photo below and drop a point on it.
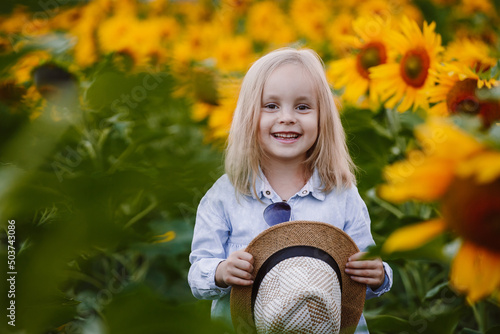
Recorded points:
(287, 116)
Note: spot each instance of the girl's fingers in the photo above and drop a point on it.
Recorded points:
(356, 256)
(245, 257)
(235, 272)
(244, 265)
(238, 281)
(369, 264)
(365, 280)
(363, 272)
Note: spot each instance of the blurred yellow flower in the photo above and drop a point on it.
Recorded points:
(238, 6)
(310, 17)
(34, 102)
(234, 53)
(21, 22)
(340, 35)
(469, 7)
(145, 41)
(352, 72)
(484, 168)
(21, 71)
(389, 10)
(66, 19)
(85, 51)
(157, 7)
(472, 53)
(457, 92)
(475, 271)
(263, 27)
(15, 22)
(219, 115)
(191, 12)
(196, 43)
(426, 174)
(470, 202)
(406, 82)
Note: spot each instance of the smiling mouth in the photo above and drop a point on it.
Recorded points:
(286, 135)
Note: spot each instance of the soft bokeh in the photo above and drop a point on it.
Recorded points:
(113, 119)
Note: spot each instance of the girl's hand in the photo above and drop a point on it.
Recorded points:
(235, 270)
(370, 272)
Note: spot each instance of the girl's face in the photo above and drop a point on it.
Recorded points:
(288, 125)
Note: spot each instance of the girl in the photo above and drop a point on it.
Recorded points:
(286, 143)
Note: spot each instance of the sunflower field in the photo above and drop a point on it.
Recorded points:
(113, 120)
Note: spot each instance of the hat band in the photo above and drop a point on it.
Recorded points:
(287, 253)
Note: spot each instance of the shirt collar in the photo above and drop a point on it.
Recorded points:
(313, 187)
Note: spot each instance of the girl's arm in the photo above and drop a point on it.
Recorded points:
(208, 248)
(357, 226)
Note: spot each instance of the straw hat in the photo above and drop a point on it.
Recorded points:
(300, 284)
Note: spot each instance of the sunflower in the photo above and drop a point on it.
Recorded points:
(262, 27)
(458, 92)
(389, 9)
(406, 81)
(473, 53)
(469, 199)
(66, 19)
(340, 34)
(318, 16)
(426, 174)
(233, 53)
(196, 43)
(219, 114)
(21, 71)
(352, 72)
(86, 49)
(470, 7)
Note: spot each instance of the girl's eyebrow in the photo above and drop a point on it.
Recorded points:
(298, 98)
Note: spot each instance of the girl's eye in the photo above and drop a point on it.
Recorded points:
(271, 106)
(303, 107)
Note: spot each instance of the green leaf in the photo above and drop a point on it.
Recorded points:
(138, 310)
(388, 324)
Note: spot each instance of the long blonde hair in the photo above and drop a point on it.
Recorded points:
(329, 154)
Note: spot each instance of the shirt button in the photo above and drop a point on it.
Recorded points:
(304, 192)
(268, 192)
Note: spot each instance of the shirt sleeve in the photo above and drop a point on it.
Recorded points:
(386, 286)
(207, 250)
(357, 226)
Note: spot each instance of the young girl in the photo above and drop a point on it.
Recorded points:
(286, 143)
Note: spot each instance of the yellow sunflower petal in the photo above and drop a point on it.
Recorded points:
(475, 271)
(419, 178)
(485, 167)
(166, 237)
(413, 236)
(441, 138)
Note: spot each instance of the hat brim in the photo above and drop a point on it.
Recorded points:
(326, 237)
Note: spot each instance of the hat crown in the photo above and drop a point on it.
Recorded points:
(299, 295)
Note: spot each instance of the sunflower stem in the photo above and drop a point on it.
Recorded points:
(395, 128)
(479, 314)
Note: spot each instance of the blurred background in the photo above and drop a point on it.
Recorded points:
(113, 120)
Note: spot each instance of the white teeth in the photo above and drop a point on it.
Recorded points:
(286, 135)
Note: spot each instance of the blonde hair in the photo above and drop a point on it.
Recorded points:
(329, 154)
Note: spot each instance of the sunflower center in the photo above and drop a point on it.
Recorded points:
(462, 98)
(414, 67)
(372, 54)
(473, 211)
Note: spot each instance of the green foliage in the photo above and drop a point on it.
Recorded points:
(89, 191)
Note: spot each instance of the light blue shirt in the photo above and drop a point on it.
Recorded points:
(225, 223)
